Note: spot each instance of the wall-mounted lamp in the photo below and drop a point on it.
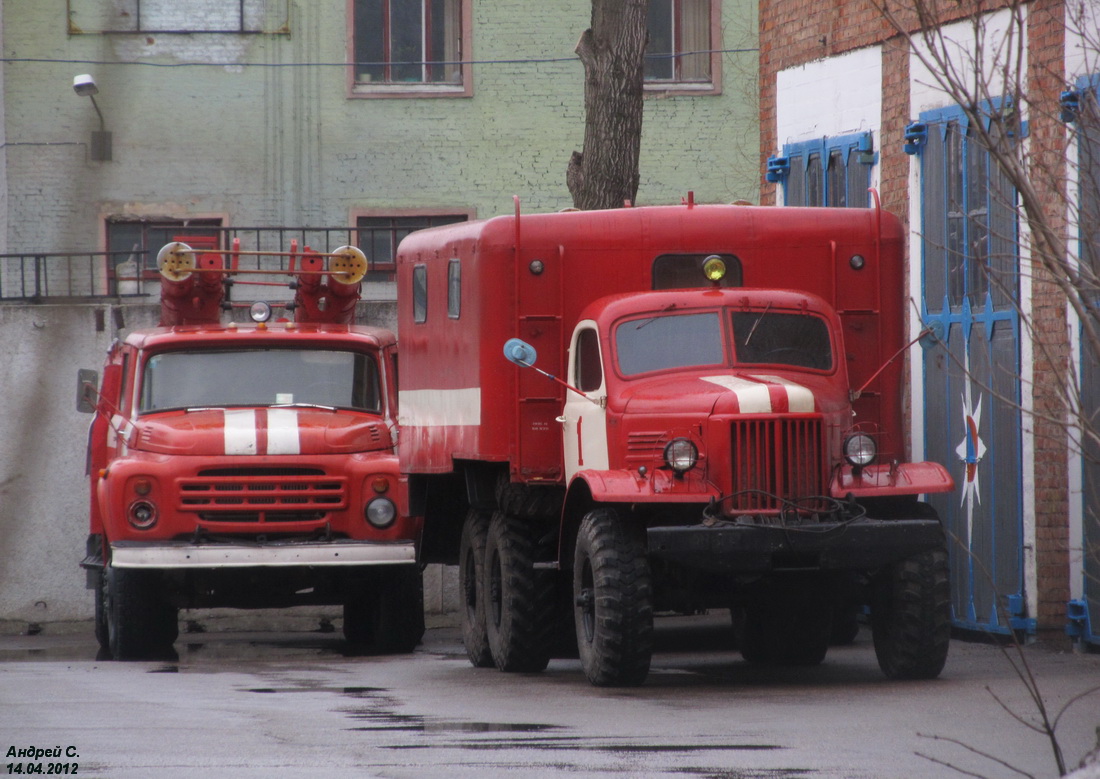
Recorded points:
(84, 85)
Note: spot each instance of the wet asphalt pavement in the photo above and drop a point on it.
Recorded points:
(293, 703)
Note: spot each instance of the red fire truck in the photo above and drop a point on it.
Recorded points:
(249, 465)
(614, 414)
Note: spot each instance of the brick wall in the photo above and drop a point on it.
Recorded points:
(795, 32)
(1046, 46)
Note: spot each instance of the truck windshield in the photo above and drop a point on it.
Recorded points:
(774, 338)
(662, 342)
(260, 377)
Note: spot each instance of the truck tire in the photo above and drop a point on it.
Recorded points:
(471, 565)
(140, 625)
(789, 624)
(358, 618)
(102, 633)
(911, 616)
(528, 502)
(517, 597)
(398, 624)
(387, 615)
(613, 597)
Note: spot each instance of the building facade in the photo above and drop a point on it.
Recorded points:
(853, 96)
(357, 119)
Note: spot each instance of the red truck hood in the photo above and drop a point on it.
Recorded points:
(260, 431)
(755, 392)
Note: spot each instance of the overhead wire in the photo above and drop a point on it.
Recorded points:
(512, 61)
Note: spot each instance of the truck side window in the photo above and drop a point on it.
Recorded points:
(586, 366)
(685, 271)
(454, 288)
(420, 293)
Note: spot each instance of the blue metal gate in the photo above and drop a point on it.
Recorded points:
(1084, 110)
(971, 374)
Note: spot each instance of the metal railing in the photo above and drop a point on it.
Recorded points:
(38, 276)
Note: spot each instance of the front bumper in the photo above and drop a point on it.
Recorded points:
(731, 548)
(181, 555)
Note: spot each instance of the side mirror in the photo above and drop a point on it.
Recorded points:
(86, 382)
(520, 352)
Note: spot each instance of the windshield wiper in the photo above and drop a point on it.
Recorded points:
(757, 323)
(645, 322)
(303, 405)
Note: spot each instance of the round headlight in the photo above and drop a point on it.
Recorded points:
(260, 311)
(681, 454)
(860, 449)
(380, 512)
(142, 514)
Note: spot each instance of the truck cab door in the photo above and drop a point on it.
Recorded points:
(584, 419)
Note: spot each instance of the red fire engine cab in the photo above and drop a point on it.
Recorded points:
(607, 415)
(250, 465)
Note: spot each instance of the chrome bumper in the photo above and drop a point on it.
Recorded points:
(320, 554)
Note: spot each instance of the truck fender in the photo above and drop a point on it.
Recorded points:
(586, 490)
(891, 479)
(589, 488)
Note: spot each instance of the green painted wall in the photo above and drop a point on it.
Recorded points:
(259, 128)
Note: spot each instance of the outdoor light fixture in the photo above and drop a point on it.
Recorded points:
(84, 85)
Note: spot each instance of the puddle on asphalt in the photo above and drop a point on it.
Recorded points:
(381, 715)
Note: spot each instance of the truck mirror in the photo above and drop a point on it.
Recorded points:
(86, 382)
(520, 352)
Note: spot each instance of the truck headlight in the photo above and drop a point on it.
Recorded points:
(681, 455)
(380, 512)
(860, 449)
(142, 514)
(260, 311)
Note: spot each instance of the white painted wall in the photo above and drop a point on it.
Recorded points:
(987, 51)
(1082, 58)
(835, 96)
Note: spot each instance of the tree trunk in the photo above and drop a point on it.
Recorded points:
(605, 173)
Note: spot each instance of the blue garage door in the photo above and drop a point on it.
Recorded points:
(1085, 613)
(971, 377)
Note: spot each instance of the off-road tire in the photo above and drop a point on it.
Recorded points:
(517, 597)
(471, 565)
(613, 601)
(911, 616)
(141, 625)
(528, 502)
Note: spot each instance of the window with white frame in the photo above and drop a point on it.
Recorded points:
(409, 47)
(683, 38)
(832, 172)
